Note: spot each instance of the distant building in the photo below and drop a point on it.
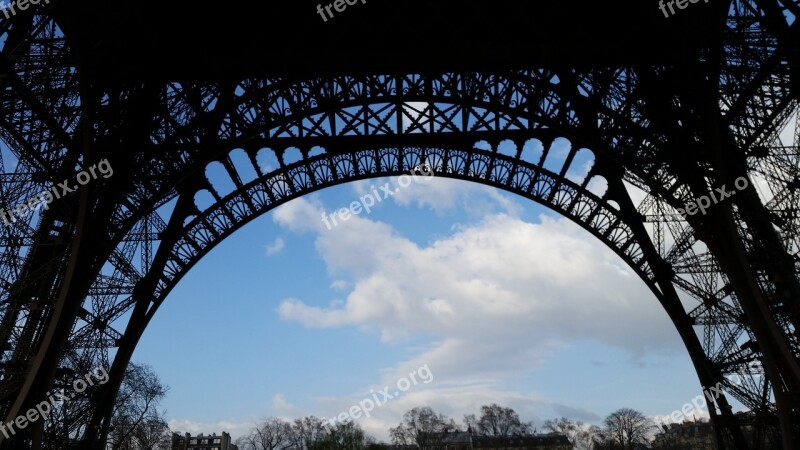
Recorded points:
(551, 441)
(695, 435)
(699, 435)
(201, 442)
(466, 440)
(449, 440)
(383, 446)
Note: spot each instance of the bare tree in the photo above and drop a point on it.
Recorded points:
(585, 438)
(498, 421)
(420, 426)
(627, 428)
(471, 422)
(271, 434)
(153, 433)
(308, 432)
(65, 422)
(579, 434)
(136, 406)
(344, 436)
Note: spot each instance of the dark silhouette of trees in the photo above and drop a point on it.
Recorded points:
(344, 436)
(271, 434)
(625, 429)
(136, 422)
(153, 433)
(420, 426)
(307, 433)
(579, 434)
(499, 421)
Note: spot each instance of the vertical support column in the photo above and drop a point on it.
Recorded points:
(670, 300)
(721, 234)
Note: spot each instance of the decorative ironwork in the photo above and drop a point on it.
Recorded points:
(81, 280)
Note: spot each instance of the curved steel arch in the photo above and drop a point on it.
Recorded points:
(205, 229)
(485, 112)
(259, 114)
(192, 233)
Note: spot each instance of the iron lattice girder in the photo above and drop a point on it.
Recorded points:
(478, 134)
(602, 109)
(756, 69)
(38, 115)
(203, 229)
(255, 145)
(38, 94)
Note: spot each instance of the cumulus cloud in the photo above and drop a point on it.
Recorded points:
(275, 247)
(300, 216)
(339, 285)
(235, 428)
(500, 291)
(443, 195)
(501, 281)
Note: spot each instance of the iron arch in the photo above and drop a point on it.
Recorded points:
(361, 122)
(177, 128)
(204, 229)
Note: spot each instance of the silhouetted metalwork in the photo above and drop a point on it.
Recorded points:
(82, 279)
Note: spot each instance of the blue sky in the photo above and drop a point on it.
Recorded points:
(502, 299)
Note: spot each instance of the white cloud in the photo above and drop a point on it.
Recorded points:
(339, 285)
(300, 216)
(442, 195)
(281, 407)
(236, 429)
(693, 413)
(275, 247)
(501, 291)
(500, 287)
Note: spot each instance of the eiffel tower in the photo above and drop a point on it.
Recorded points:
(676, 101)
